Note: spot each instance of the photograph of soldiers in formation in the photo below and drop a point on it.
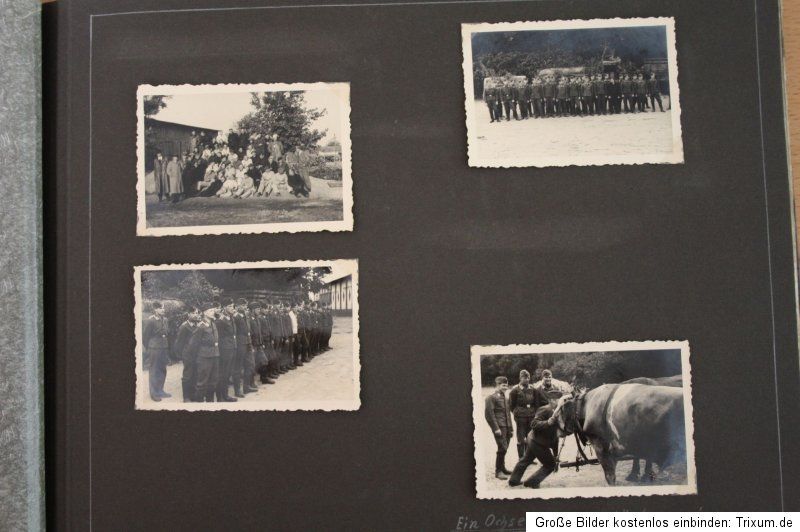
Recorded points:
(256, 336)
(585, 420)
(572, 93)
(244, 158)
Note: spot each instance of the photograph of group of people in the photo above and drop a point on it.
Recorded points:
(219, 334)
(614, 84)
(219, 159)
(579, 95)
(591, 419)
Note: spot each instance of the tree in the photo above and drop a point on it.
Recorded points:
(195, 289)
(284, 113)
(153, 104)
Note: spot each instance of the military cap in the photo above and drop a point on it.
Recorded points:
(547, 373)
(227, 301)
(241, 301)
(524, 373)
(500, 380)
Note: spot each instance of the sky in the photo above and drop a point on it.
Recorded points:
(222, 111)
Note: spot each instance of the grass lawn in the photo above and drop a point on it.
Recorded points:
(231, 211)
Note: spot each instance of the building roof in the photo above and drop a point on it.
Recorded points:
(332, 279)
(149, 119)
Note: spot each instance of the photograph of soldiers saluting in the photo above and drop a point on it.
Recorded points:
(247, 338)
(557, 93)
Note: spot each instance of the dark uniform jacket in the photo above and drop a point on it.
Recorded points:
(255, 330)
(205, 340)
(562, 91)
(156, 333)
(612, 88)
(490, 95)
(506, 94)
(549, 89)
(526, 92)
(537, 90)
(653, 87)
(242, 331)
(266, 329)
(587, 89)
(627, 86)
(575, 89)
(542, 433)
(640, 86)
(182, 341)
(498, 414)
(598, 87)
(227, 332)
(524, 402)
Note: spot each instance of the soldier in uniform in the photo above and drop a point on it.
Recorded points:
(490, 97)
(552, 388)
(523, 401)
(292, 330)
(542, 444)
(243, 363)
(509, 103)
(549, 91)
(640, 87)
(626, 87)
(259, 344)
(189, 358)
(575, 92)
(654, 91)
(599, 91)
(527, 95)
(613, 92)
(205, 342)
(226, 331)
(268, 339)
(155, 338)
(562, 93)
(498, 416)
(588, 96)
(537, 96)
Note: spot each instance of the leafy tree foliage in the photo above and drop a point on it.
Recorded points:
(153, 104)
(284, 113)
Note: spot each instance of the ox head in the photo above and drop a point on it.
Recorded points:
(566, 413)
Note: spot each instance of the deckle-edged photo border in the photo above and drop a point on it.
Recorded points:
(346, 266)
(675, 157)
(485, 492)
(345, 224)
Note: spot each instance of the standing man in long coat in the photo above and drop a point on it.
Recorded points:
(227, 349)
(160, 177)
(174, 172)
(189, 357)
(205, 342)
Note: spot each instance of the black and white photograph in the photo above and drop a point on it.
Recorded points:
(583, 420)
(247, 336)
(263, 158)
(573, 92)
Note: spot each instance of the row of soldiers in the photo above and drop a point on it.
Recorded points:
(573, 96)
(229, 343)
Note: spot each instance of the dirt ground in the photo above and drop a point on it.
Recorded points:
(323, 205)
(332, 374)
(552, 141)
(588, 476)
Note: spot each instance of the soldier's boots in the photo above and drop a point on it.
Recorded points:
(188, 393)
(209, 397)
(237, 391)
(520, 450)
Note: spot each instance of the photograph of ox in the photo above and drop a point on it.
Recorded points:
(574, 92)
(262, 158)
(247, 336)
(586, 420)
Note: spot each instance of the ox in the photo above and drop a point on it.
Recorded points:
(627, 419)
(674, 381)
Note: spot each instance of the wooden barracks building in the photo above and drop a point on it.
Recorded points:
(337, 293)
(169, 138)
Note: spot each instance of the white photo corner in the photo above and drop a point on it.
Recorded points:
(572, 92)
(239, 158)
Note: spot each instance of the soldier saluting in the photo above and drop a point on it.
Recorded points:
(155, 338)
(189, 357)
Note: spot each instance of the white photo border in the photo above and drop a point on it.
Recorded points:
(348, 266)
(468, 29)
(345, 224)
(484, 492)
